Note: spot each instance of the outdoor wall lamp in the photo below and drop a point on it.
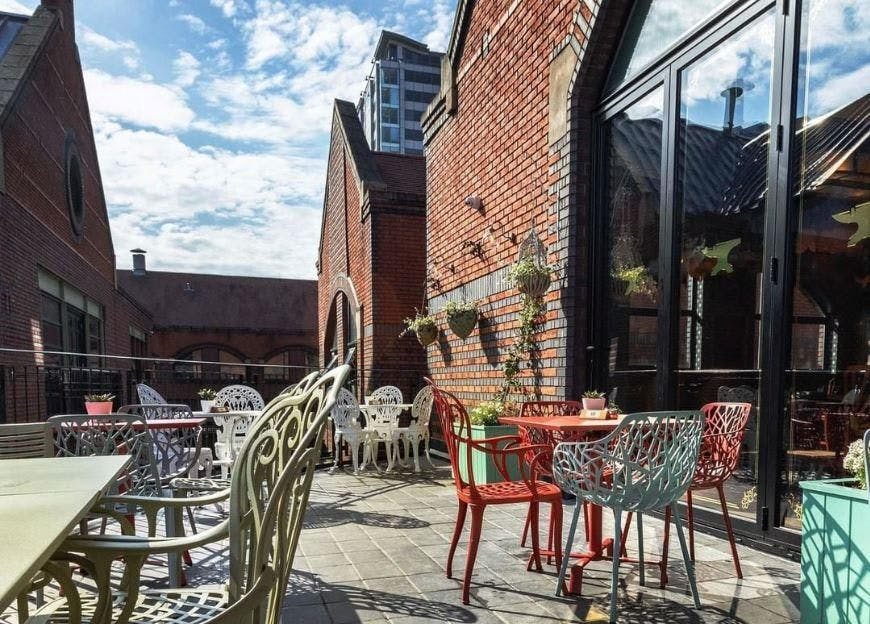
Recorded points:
(474, 202)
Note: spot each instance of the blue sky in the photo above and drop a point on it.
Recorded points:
(212, 119)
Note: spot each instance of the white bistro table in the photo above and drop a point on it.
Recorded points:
(230, 440)
(382, 428)
(41, 502)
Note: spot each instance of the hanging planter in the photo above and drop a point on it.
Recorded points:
(461, 317)
(529, 277)
(424, 327)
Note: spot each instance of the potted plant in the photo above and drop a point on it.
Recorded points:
(99, 403)
(529, 277)
(593, 400)
(835, 544)
(461, 317)
(484, 424)
(206, 399)
(424, 326)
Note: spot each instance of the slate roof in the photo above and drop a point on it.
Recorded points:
(402, 173)
(198, 301)
(22, 38)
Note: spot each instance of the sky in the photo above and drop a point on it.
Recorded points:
(212, 119)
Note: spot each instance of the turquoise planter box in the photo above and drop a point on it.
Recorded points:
(835, 553)
(482, 463)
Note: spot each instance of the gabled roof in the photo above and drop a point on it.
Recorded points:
(21, 40)
(388, 36)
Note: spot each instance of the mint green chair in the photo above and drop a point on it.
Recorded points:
(646, 463)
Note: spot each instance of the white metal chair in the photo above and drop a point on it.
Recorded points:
(239, 398)
(345, 417)
(382, 423)
(418, 430)
(646, 463)
(148, 395)
(232, 429)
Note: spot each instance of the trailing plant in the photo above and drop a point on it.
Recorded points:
(593, 394)
(207, 394)
(530, 277)
(452, 308)
(524, 346)
(424, 326)
(638, 279)
(99, 398)
(487, 413)
(854, 464)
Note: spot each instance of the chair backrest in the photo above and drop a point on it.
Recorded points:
(21, 441)
(84, 435)
(148, 395)
(345, 412)
(548, 409)
(421, 409)
(381, 413)
(239, 398)
(270, 485)
(724, 428)
(175, 450)
(646, 463)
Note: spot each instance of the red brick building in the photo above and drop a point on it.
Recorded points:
(699, 172)
(371, 266)
(57, 264)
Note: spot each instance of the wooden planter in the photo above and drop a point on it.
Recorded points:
(427, 334)
(482, 463)
(835, 553)
(462, 323)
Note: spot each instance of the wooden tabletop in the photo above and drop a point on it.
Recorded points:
(41, 502)
(561, 423)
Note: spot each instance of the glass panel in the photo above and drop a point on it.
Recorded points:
(721, 186)
(655, 25)
(633, 153)
(95, 335)
(390, 95)
(389, 115)
(826, 382)
(390, 76)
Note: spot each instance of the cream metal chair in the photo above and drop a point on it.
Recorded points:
(148, 395)
(382, 424)
(418, 430)
(239, 398)
(646, 463)
(345, 416)
(269, 495)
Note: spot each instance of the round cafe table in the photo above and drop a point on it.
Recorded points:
(551, 430)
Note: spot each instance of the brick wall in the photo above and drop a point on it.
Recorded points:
(518, 135)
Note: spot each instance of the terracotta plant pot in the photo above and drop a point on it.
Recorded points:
(206, 406)
(535, 285)
(594, 404)
(462, 323)
(96, 408)
(427, 334)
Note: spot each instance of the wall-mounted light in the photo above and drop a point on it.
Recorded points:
(474, 202)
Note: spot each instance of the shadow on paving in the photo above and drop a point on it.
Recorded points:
(321, 516)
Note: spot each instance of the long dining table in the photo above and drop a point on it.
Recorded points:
(550, 430)
(41, 501)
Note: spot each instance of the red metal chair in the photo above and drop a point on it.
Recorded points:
(456, 429)
(724, 428)
(544, 409)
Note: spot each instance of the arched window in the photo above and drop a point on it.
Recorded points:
(211, 363)
(290, 364)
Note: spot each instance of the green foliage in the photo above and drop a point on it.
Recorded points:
(853, 462)
(524, 345)
(638, 279)
(526, 268)
(452, 308)
(99, 398)
(207, 394)
(487, 413)
(593, 394)
(420, 322)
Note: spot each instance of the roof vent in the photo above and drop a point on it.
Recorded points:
(138, 262)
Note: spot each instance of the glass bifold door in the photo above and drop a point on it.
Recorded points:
(732, 244)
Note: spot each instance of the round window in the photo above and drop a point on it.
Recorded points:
(75, 198)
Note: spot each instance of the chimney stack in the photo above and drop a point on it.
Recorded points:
(138, 262)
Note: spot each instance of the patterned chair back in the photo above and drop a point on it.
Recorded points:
(148, 395)
(239, 398)
(270, 486)
(383, 414)
(345, 412)
(724, 428)
(421, 410)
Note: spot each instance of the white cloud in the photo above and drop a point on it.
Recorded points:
(138, 102)
(93, 39)
(187, 69)
(195, 23)
(229, 7)
(13, 6)
(441, 14)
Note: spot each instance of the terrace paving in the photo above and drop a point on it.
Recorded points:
(374, 547)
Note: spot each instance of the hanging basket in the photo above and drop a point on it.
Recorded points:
(535, 284)
(531, 274)
(462, 323)
(426, 334)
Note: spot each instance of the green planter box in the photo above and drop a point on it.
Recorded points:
(835, 553)
(482, 463)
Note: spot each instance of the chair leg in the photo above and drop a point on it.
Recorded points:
(642, 575)
(457, 532)
(526, 528)
(428, 457)
(730, 530)
(663, 564)
(566, 557)
(535, 512)
(191, 520)
(614, 575)
(556, 530)
(690, 567)
(625, 529)
(550, 538)
(690, 516)
(473, 543)
(336, 450)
